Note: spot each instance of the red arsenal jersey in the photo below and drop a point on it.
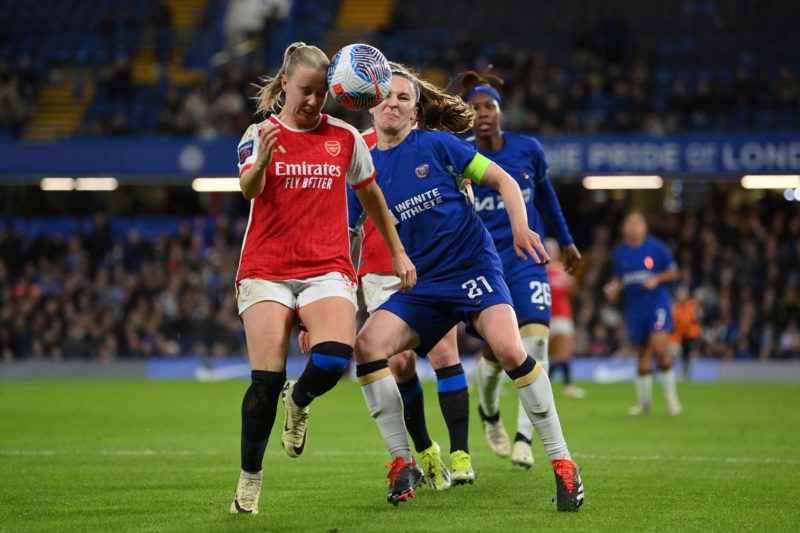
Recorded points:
(560, 289)
(297, 226)
(375, 257)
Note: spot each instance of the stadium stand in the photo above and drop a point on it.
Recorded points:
(105, 287)
(619, 67)
(118, 285)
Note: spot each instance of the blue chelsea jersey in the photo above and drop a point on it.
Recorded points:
(632, 265)
(523, 158)
(426, 194)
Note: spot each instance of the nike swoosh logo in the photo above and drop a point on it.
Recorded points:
(297, 449)
(239, 508)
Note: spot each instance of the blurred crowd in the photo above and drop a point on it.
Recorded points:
(94, 295)
(740, 267)
(19, 88)
(543, 98)
(603, 86)
(103, 295)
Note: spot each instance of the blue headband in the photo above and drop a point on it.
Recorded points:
(484, 89)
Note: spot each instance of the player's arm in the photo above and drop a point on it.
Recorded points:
(572, 286)
(373, 202)
(483, 171)
(546, 202)
(253, 178)
(667, 276)
(612, 289)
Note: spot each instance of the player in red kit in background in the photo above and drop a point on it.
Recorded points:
(295, 263)
(562, 326)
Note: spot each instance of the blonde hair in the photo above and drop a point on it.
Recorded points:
(269, 96)
(437, 109)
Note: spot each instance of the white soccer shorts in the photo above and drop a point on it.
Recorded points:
(295, 293)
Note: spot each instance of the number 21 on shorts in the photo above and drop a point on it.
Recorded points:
(474, 289)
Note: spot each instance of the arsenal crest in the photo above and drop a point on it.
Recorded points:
(422, 171)
(333, 147)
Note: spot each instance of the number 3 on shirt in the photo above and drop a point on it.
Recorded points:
(473, 290)
(540, 293)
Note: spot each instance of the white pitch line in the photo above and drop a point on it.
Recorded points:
(339, 453)
(689, 459)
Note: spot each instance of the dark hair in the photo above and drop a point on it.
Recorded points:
(471, 79)
(436, 108)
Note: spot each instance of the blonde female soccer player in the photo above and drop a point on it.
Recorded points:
(294, 168)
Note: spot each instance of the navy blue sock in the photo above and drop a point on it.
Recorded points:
(414, 413)
(328, 362)
(454, 401)
(567, 369)
(258, 415)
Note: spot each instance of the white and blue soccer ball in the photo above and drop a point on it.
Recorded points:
(359, 76)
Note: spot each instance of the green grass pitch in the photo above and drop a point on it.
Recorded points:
(135, 455)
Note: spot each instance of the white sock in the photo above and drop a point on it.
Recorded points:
(524, 425)
(386, 406)
(644, 389)
(668, 381)
(539, 404)
(488, 376)
(536, 340)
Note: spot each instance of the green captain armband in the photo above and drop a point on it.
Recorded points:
(477, 168)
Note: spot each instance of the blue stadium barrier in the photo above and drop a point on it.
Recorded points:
(699, 155)
(595, 370)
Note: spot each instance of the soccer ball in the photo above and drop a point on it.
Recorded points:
(359, 76)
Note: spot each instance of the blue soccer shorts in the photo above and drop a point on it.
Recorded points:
(530, 291)
(642, 322)
(435, 305)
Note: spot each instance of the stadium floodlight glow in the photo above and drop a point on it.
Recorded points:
(96, 184)
(56, 183)
(216, 185)
(622, 182)
(765, 181)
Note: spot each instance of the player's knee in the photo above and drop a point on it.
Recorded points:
(332, 356)
(509, 353)
(403, 366)
(443, 356)
(488, 354)
(535, 338)
(366, 347)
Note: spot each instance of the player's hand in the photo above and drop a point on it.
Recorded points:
(405, 270)
(650, 283)
(529, 241)
(302, 339)
(611, 290)
(267, 138)
(253, 180)
(572, 257)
